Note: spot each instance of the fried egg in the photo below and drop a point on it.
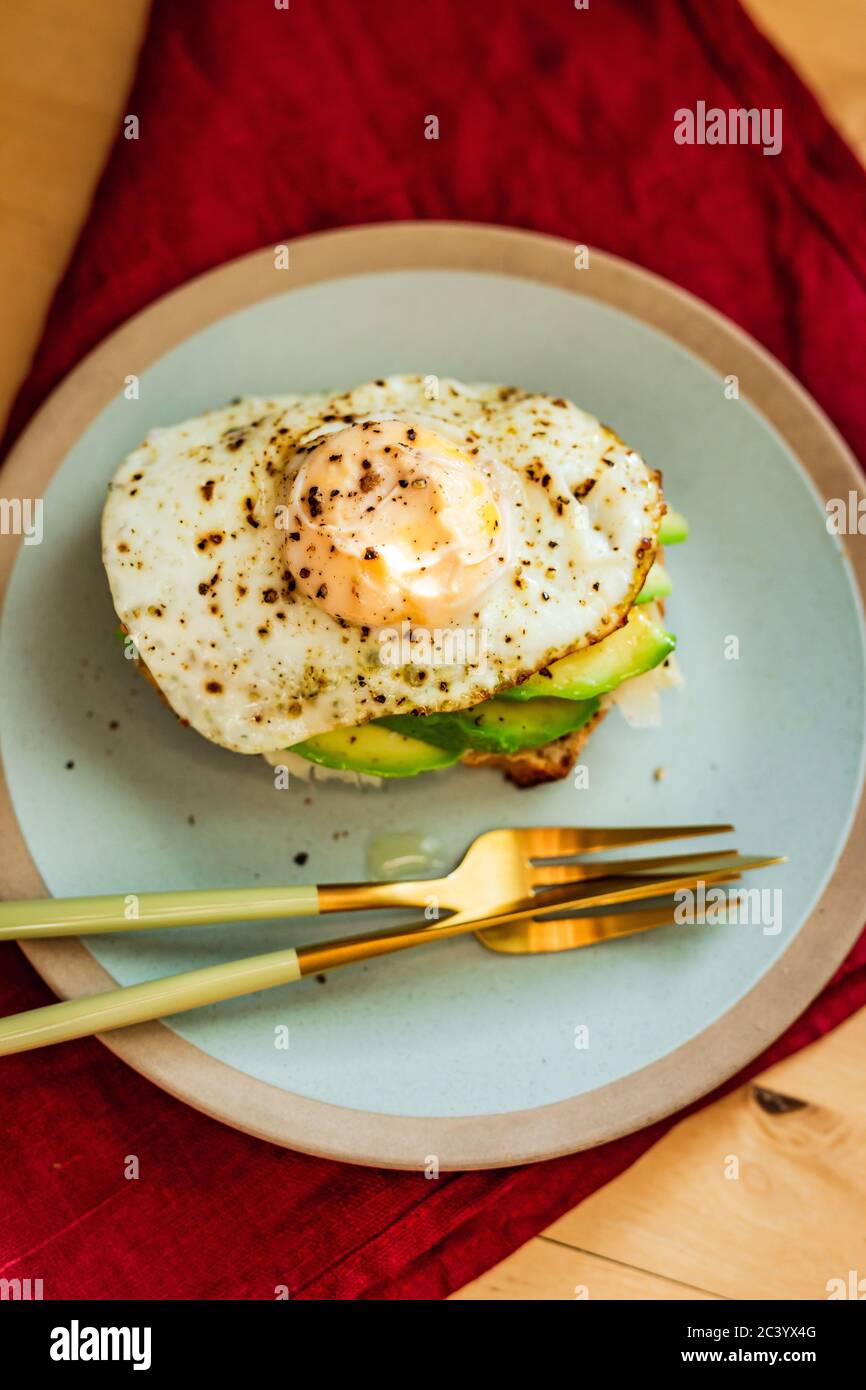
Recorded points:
(285, 567)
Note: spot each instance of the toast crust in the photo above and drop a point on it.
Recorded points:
(534, 766)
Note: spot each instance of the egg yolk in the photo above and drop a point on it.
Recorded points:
(389, 521)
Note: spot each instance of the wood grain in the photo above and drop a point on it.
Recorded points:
(826, 44)
(546, 1271)
(64, 73)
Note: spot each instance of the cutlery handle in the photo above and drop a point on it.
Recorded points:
(128, 1004)
(117, 1008)
(23, 921)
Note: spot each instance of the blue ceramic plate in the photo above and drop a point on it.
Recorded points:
(112, 795)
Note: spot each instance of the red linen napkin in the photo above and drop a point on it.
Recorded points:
(256, 124)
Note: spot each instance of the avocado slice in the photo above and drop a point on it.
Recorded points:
(631, 650)
(496, 726)
(375, 750)
(674, 528)
(657, 585)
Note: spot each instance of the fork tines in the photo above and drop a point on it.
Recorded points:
(557, 842)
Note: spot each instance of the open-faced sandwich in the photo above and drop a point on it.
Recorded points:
(388, 581)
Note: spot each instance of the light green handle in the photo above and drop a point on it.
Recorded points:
(22, 921)
(117, 1008)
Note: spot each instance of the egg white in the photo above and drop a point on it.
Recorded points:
(193, 551)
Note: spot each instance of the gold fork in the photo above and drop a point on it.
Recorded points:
(119, 1008)
(500, 866)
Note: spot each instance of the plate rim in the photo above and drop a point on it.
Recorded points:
(619, 1107)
